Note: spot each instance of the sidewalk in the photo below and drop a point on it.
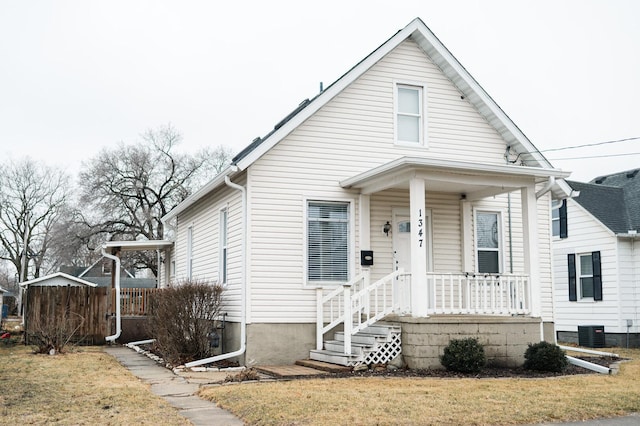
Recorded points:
(173, 388)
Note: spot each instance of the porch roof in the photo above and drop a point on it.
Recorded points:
(138, 245)
(472, 179)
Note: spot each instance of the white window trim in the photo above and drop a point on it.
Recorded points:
(423, 122)
(501, 241)
(580, 297)
(555, 207)
(223, 246)
(352, 240)
(189, 253)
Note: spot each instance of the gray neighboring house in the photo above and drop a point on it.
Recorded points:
(100, 273)
(597, 260)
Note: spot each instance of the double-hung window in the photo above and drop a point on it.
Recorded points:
(189, 252)
(327, 242)
(223, 246)
(409, 114)
(559, 218)
(585, 276)
(488, 242)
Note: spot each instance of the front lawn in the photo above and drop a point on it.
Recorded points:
(435, 401)
(82, 387)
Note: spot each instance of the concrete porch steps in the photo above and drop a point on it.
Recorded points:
(369, 344)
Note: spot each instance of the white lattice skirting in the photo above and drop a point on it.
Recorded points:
(386, 352)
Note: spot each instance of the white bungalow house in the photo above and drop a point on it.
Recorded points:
(402, 193)
(597, 281)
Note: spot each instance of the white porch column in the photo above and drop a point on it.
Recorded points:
(531, 258)
(419, 290)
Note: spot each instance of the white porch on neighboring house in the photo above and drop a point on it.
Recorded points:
(418, 291)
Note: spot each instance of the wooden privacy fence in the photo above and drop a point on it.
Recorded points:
(78, 308)
(133, 301)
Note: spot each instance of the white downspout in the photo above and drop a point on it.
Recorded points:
(547, 187)
(243, 284)
(113, 337)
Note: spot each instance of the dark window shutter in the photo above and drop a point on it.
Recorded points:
(563, 219)
(571, 261)
(597, 276)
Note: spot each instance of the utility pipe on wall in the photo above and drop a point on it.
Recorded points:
(116, 259)
(243, 284)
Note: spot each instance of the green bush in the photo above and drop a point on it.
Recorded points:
(464, 356)
(545, 356)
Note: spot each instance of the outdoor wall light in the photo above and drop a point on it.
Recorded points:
(386, 228)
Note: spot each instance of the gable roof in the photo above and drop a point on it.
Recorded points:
(613, 199)
(441, 57)
(58, 275)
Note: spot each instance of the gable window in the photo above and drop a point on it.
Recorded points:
(327, 242)
(223, 246)
(488, 242)
(585, 276)
(559, 218)
(409, 114)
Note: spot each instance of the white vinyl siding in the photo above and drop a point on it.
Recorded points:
(352, 133)
(205, 217)
(586, 236)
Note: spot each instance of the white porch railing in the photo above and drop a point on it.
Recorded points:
(357, 304)
(478, 294)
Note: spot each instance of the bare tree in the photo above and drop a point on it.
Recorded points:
(130, 187)
(32, 197)
(73, 242)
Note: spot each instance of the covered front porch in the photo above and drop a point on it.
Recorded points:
(445, 239)
(467, 235)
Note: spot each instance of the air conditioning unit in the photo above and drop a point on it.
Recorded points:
(591, 336)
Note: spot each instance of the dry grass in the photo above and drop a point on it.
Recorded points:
(431, 401)
(82, 387)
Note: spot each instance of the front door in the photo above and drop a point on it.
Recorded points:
(402, 253)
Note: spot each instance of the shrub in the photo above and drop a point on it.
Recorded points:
(464, 356)
(52, 335)
(544, 356)
(243, 376)
(181, 319)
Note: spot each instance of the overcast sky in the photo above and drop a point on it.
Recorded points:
(76, 76)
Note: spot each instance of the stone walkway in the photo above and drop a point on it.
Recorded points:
(177, 390)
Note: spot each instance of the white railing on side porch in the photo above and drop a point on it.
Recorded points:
(356, 304)
(478, 294)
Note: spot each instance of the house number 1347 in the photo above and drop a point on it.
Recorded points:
(420, 228)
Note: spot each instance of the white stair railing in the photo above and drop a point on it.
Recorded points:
(368, 303)
(334, 308)
(374, 302)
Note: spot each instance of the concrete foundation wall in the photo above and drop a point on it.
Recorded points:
(611, 340)
(279, 344)
(505, 339)
(133, 329)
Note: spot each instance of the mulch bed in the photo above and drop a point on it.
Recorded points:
(487, 372)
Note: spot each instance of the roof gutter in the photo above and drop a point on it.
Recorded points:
(116, 259)
(243, 284)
